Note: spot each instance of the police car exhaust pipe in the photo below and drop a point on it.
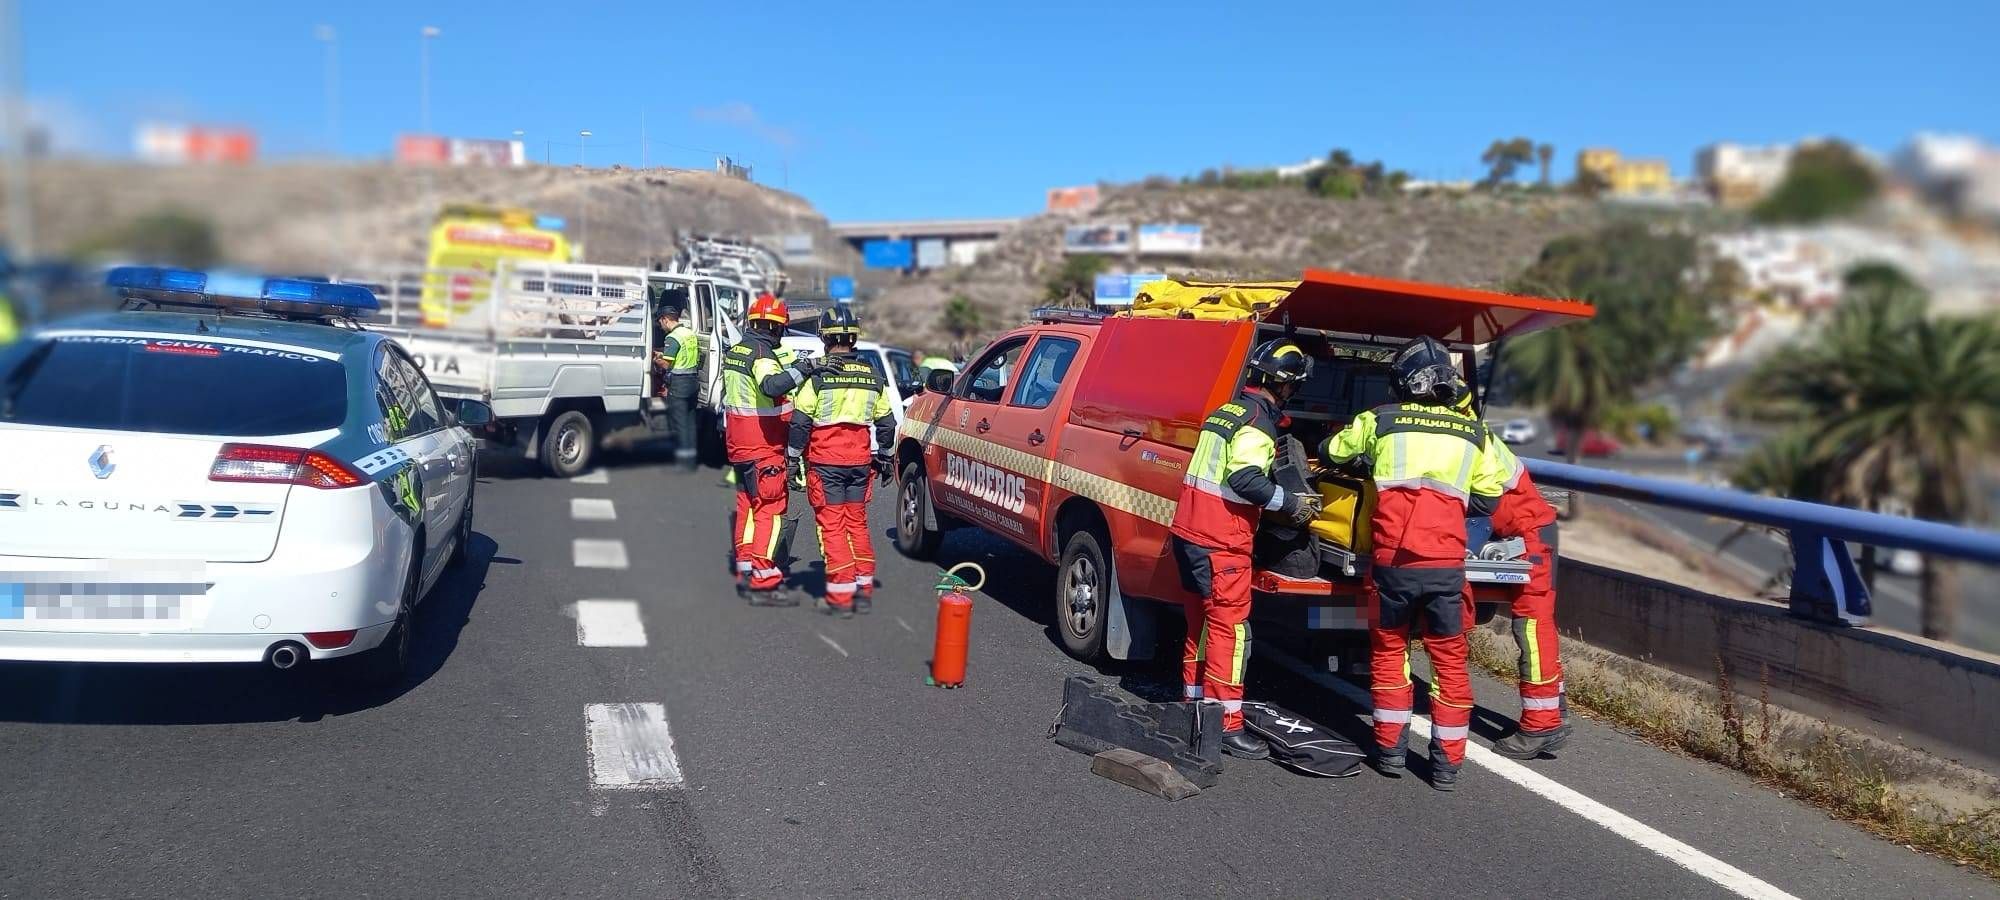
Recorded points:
(286, 655)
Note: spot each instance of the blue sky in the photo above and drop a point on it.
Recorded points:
(894, 110)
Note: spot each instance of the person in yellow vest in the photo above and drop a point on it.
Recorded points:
(678, 363)
(834, 413)
(757, 407)
(10, 327)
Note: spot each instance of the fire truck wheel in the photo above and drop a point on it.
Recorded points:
(913, 539)
(1083, 587)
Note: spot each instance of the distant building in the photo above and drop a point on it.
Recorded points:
(1299, 170)
(1958, 172)
(1625, 177)
(1740, 175)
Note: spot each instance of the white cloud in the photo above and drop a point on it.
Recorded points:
(742, 115)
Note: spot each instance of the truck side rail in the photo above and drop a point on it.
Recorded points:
(521, 303)
(1817, 531)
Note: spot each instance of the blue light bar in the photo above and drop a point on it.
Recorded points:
(285, 296)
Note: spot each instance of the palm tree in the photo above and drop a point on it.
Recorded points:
(1574, 374)
(1897, 406)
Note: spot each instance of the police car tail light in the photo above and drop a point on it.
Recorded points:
(282, 465)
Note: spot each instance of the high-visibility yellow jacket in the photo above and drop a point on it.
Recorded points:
(756, 386)
(1228, 479)
(1430, 470)
(834, 410)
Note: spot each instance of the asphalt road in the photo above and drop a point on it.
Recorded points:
(812, 760)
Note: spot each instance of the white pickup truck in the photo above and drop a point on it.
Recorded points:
(561, 351)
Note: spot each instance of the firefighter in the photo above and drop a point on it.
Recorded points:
(1227, 487)
(679, 365)
(1522, 513)
(1426, 456)
(756, 388)
(833, 412)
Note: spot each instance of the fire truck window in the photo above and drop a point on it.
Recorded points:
(994, 372)
(1045, 370)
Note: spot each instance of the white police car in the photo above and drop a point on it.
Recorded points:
(229, 470)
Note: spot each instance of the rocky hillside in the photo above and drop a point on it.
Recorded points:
(324, 217)
(1476, 240)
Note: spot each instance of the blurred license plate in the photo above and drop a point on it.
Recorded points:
(112, 602)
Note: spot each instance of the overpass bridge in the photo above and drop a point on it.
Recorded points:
(956, 242)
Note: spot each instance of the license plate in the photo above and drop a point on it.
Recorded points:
(87, 602)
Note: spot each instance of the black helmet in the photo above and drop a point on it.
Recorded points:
(1280, 361)
(840, 321)
(1424, 372)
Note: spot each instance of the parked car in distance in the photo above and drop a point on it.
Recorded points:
(1517, 431)
(1595, 444)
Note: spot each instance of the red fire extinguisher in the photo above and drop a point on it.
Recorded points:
(954, 626)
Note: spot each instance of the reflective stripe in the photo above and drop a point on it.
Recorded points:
(840, 587)
(1465, 465)
(782, 409)
(1532, 649)
(1125, 498)
(1450, 732)
(1241, 655)
(1397, 716)
(1232, 705)
(742, 566)
(1541, 702)
(1191, 691)
(1421, 483)
(766, 573)
(864, 580)
(1216, 488)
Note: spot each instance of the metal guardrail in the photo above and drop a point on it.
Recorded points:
(1825, 584)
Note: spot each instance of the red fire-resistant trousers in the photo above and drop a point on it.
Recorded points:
(1217, 650)
(760, 510)
(1429, 601)
(1534, 612)
(839, 497)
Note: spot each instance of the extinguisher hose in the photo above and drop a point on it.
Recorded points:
(949, 580)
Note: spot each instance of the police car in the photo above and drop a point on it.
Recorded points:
(227, 470)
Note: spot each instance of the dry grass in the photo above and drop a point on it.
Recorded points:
(1903, 795)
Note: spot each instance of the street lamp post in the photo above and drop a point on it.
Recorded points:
(582, 139)
(583, 214)
(429, 33)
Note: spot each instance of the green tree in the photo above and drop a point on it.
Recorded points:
(1076, 281)
(1893, 407)
(1655, 305)
(167, 236)
(1504, 157)
(1822, 181)
(962, 320)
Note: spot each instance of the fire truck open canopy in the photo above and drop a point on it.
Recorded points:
(1385, 307)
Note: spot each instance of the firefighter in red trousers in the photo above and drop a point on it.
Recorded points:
(1522, 513)
(833, 413)
(1426, 455)
(1228, 486)
(757, 410)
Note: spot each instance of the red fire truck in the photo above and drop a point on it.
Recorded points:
(1071, 435)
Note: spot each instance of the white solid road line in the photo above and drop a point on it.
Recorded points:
(631, 747)
(594, 476)
(829, 642)
(592, 509)
(609, 623)
(1730, 878)
(599, 554)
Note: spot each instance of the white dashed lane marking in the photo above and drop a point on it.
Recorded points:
(591, 509)
(609, 623)
(594, 476)
(1724, 875)
(830, 642)
(599, 554)
(631, 747)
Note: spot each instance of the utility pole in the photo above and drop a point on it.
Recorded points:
(583, 200)
(642, 139)
(429, 34)
(20, 206)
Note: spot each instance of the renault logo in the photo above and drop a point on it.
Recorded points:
(100, 462)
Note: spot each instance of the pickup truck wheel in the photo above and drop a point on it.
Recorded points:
(1083, 587)
(568, 445)
(912, 498)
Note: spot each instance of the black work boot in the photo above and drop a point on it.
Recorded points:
(1525, 744)
(862, 604)
(1244, 745)
(776, 596)
(1444, 775)
(836, 610)
(1390, 761)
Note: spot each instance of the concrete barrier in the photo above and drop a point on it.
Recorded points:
(1899, 689)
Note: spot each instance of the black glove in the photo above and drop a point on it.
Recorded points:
(885, 467)
(1358, 467)
(1300, 508)
(797, 465)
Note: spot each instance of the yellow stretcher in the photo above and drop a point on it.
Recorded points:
(1215, 300)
